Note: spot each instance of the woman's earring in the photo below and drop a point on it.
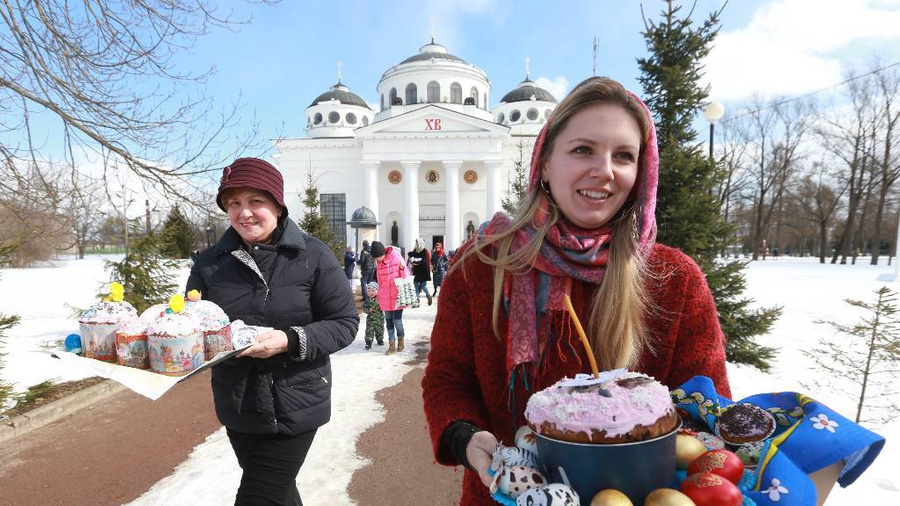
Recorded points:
(545, 185)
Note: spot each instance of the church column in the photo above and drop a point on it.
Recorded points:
(492, 167)
(371, 181)
(452, 218)
(411, 204)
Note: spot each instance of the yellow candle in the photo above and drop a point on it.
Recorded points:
(582, 335)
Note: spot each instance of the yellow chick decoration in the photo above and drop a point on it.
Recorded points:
(116, 292)
(176, 303)
(194, 295)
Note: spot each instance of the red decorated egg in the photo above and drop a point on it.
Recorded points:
(721, 462)
(707, 489)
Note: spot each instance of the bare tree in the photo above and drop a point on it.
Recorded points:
(846, 137)
(106, 71)
(774, 135)
(888, 86)
(817, 201)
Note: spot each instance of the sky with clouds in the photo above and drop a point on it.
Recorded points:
(288, 54)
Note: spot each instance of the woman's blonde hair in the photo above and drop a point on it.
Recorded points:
(616, 326)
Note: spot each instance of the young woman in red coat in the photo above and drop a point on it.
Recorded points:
(587, 229)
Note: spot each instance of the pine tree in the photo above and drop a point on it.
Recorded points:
(178, 238)
(314, 222)
(6, 322)
(869, 359)
(688, 214)
(148, 276)
(517, 186)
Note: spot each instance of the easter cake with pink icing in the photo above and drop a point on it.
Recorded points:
(618, 407)
(175, 341)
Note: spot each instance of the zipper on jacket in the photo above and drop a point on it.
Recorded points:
(274, 414)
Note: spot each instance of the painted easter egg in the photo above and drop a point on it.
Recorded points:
(667, 497)
(611, 497)
(707, 489)
(554, 494)
(687, 448)
(514, 481)
(721, 462)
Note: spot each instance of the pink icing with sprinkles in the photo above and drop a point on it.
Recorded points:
(616, 410)
(132, 326)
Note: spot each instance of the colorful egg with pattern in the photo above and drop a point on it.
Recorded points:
(514, 481)
(554, 494)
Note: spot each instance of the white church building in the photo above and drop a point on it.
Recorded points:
(433, 162)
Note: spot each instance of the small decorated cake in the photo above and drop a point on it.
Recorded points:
(744, 423)
(175, 341)
(153, 312)
(213, 322)
(98, 324)
(618, 407)
(131, 343)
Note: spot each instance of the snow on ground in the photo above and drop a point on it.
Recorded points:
(807, 290)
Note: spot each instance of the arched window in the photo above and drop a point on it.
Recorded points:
(455, 93)
(365, 120)
(382, 101)
(473, 94)
(334, 117)
(501, 118)
(434, 92)
(485, 101)
(351, 118)
(411, 94)
(317, 119)
(393, 96)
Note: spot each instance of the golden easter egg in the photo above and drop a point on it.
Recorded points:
(611, 497)
(687, 448)
(667, 497)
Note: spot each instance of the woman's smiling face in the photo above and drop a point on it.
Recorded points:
(593, 164)
(253, 214)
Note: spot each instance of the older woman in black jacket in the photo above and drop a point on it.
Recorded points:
(275, 394)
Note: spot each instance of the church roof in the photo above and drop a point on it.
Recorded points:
(342, 93)
(525, 90)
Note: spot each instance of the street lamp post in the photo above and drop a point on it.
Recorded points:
(712, 112)
(208, 235)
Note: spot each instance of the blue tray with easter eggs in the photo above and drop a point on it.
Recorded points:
(807, 437)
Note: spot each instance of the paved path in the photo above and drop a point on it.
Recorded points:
(113, 451)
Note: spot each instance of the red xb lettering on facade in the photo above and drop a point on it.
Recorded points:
(432, 124)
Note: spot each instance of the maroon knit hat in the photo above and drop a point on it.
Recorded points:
(252, 173)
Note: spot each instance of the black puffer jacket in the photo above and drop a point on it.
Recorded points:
(295, 285)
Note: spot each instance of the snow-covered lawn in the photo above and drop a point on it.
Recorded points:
(806, 290)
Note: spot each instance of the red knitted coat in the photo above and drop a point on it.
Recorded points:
(465, 378)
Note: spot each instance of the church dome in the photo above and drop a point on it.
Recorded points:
(363, 217)
(433, 51)
(342, 94)
(527, 90)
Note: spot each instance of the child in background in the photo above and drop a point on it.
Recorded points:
(374, 317)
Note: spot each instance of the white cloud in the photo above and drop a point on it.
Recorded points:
(790, 46)
(557, 87)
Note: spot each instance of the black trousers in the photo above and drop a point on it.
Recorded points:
(270, 465)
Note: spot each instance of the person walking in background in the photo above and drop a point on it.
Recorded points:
(420, 262)
(268, 273)
(366, 269)
(586, 229)
(389, 265)
(374, 316)
(439, 264)
(349, 264)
